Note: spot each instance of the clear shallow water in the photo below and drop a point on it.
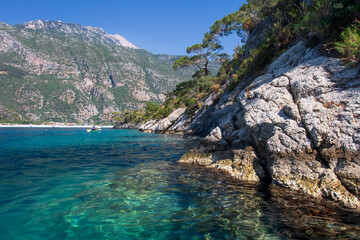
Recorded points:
(123, 184)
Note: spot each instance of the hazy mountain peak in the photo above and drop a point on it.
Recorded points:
(38, 24)
(72, 28)
(123, 41)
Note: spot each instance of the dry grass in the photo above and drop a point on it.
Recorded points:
(247, 93)
(200, 96)
(329, 104)
(215, 87)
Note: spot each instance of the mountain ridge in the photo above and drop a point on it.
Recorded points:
(70, 27)
(56, 71)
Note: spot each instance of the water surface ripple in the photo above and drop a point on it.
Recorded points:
(123, 184)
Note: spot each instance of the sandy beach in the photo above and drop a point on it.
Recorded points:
(52, 126)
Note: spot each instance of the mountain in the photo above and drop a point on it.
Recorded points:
(56, 71)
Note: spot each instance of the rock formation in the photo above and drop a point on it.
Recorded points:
(162, 125)
(297, 125)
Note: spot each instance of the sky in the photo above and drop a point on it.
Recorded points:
(159, 26)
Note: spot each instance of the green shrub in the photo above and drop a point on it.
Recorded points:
(191, 106)
(151, 109)
(191, 102)
(203, 84)
(349, 45)
(316, 20)
(256, 61)
(323, 19)
(163, 113)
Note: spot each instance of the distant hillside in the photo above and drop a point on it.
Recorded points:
(55, 71)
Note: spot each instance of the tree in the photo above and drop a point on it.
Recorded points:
(151, 109)
(202, 54)
(244, 20)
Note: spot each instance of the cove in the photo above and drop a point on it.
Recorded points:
(124, 184)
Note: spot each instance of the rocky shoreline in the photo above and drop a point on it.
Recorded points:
(127, 126)
(297, 125)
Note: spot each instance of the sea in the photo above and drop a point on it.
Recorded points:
(61, 183)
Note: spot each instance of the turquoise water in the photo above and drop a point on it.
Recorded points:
(123, 184)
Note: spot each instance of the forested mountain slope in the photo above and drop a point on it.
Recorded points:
(56, 71)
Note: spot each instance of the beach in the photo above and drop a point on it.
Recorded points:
(53, 126)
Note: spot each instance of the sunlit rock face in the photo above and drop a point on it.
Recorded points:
(300, 119)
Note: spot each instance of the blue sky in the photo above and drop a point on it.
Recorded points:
(159, 26)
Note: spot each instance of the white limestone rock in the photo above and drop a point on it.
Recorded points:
(163, 124)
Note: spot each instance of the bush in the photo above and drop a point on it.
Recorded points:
(163, 113)
(204, 84)
(316, 20)
(215, 87)
(191, 102)
(323, 19)
(350, 44)
(151, 109)
(256, 61)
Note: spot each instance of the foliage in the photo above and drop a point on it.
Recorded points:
(151, 108)
(201, 56)
(256, 61)
(242, 21)
(215, 87)
(318, 20)
(324, 19)
(288, 21)
(349, 45)
(184, 95)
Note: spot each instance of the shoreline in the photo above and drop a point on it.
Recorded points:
(50, 126)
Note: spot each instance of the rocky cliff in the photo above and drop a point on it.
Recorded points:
(296, 125)
(56, 71)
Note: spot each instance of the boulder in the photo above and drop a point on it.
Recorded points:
(242, 164)
(162, 125)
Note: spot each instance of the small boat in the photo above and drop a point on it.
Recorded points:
(93, 130)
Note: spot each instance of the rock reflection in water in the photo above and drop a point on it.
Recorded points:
(302, 217)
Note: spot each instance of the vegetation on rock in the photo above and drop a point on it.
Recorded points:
(187, 94)
(281, 23)
(320, 21)
(296, 112)
(349, 45)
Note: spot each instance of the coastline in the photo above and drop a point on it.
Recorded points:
(50, 126)
(293, 126)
